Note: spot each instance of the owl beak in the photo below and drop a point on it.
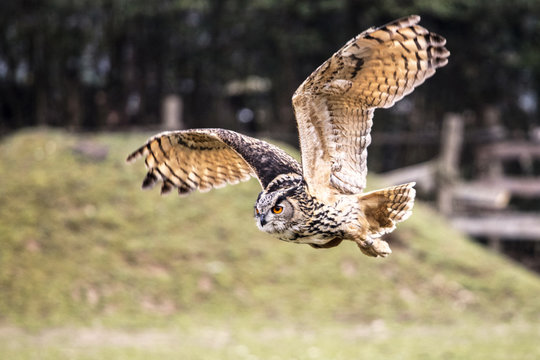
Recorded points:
(262, 220)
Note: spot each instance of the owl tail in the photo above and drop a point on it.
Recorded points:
(383, 209)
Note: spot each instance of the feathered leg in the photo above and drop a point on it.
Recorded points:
(381, 210)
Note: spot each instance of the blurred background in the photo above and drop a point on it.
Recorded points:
(82, 83)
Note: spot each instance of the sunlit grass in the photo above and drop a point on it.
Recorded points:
(238, 340)
(84, 251)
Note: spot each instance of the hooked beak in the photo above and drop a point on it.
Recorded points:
(262, 220)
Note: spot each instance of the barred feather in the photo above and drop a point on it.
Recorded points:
(383, 209)
(202, 159)
(334, 105)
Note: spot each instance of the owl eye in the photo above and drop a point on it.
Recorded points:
(257, 211)
(277, 209)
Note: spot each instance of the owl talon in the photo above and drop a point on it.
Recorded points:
(382, 248)
(375, 248)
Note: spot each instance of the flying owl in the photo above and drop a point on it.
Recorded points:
(319, 202)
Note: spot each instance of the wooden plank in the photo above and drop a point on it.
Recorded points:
(420, 138)
(508, 226)
(522, 186)
(507, 150)
(423, 174)
(480, 194)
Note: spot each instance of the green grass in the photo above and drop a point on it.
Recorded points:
(85, 254)
(377, 340)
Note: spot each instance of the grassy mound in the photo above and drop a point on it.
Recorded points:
(82, 244)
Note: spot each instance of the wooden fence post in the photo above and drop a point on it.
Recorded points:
(448, 174)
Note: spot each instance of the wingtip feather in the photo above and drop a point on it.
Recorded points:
(149, 181)
(136, 154)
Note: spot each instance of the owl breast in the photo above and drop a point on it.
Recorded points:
(323, 225)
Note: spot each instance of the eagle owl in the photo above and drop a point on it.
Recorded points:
(320, 202)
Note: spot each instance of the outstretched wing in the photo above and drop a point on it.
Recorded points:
(334, 105)
(210, 158)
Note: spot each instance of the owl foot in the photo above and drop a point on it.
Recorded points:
(374, 247)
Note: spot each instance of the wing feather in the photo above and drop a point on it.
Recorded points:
(334, 106)
(203, 159)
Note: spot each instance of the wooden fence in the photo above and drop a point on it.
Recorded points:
(480, 207)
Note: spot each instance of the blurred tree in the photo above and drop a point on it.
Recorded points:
(109, 63)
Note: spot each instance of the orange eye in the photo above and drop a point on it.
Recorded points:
(277, 209)
(257, 211)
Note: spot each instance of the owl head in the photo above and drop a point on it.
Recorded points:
(277, 209)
